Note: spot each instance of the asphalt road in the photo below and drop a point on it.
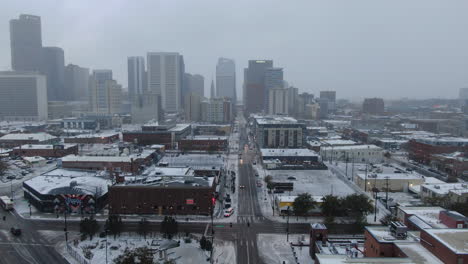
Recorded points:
(30, 247)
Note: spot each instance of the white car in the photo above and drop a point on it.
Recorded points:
(228, 212)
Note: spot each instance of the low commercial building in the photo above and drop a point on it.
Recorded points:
(453, 164)
(278, 132)
(204, 143)
(390, 144)
(17, 139)
(53, 151)
(421, 149)
(448, 192)
(393, 182)
(164, 195)
(155, 133)
(418, 218)
(356, 153)
(211, 129)
(291, 159)
(132, 163)
(94, 138)
(62, 193)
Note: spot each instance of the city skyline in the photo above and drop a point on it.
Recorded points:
(387, 52)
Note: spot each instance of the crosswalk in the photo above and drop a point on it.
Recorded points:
(250, 219)
(6, 237)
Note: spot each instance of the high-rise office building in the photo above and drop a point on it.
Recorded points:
(373, 106)
(76, 82)
(226, 79)
(463, 94)
(194, 83)
(165, 77)
(192, 107)
(278, 101)
(217, 110)
(254, 85)
(273, 80)
(136, 76)
(293, 94)
(105, 93)
(26, 43)
(212, 90)
(330, 96)
(53, 67)
(146, 107)
(23, 96)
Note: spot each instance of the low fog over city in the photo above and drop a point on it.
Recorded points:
(242, 132)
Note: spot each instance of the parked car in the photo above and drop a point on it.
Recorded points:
(292, 178)
(11, 177)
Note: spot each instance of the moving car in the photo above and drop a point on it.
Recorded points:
(242, 186)
(228, 212)
(15, 231)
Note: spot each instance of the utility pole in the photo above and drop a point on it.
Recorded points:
(365, 180)
(346, 157)
(287, 227)
(375, 207)
(386, 192)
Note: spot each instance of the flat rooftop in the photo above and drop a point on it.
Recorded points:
(453, 238)
(136, 156)
(417, 253)
(383, 235)
(193, 160)
(44, 146)
(30, 136)
(97, 135)
(334, 142)
(52, 185)
(354, 147)
(288, 152)
(275, 120)
(343, 259)
(206, 138)
(316, 182)
(390, 176)
(445, 188)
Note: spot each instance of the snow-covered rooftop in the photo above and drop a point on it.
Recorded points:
(383, 235)
(338, 142)
(454, 238)
(353, 147)
(418, 253)
(288, 152)
(32, 136)
(97, 135)
(445, 188)
(44, 146)
(391, 176)
(51, 185)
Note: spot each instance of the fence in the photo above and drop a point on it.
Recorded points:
(80, 259)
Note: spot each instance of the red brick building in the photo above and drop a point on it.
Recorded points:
(130, 164)
(422, 149)
(454, 164)
(169, 136)
(17, 139)
(100, 138)
(449, 245)
(204, 143)
(54, 151)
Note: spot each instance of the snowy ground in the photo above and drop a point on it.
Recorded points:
(187, 253)
(274, 248)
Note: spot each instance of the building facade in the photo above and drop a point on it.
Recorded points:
(76, 82)
(373, 106)
(136, 76)
(23, 96)
(53, 66)
(278, 101)
(165, 77)
(105, 93)
(273, 80)
(26, 43)
(226, 79)
(254, 85)
(279, 132)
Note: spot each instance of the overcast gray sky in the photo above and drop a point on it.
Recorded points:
(360, 48)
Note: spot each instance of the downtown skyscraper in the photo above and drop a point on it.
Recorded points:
(226, 79)
(165, 77)
(26, 43)
(254, 85)
(136, 76)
